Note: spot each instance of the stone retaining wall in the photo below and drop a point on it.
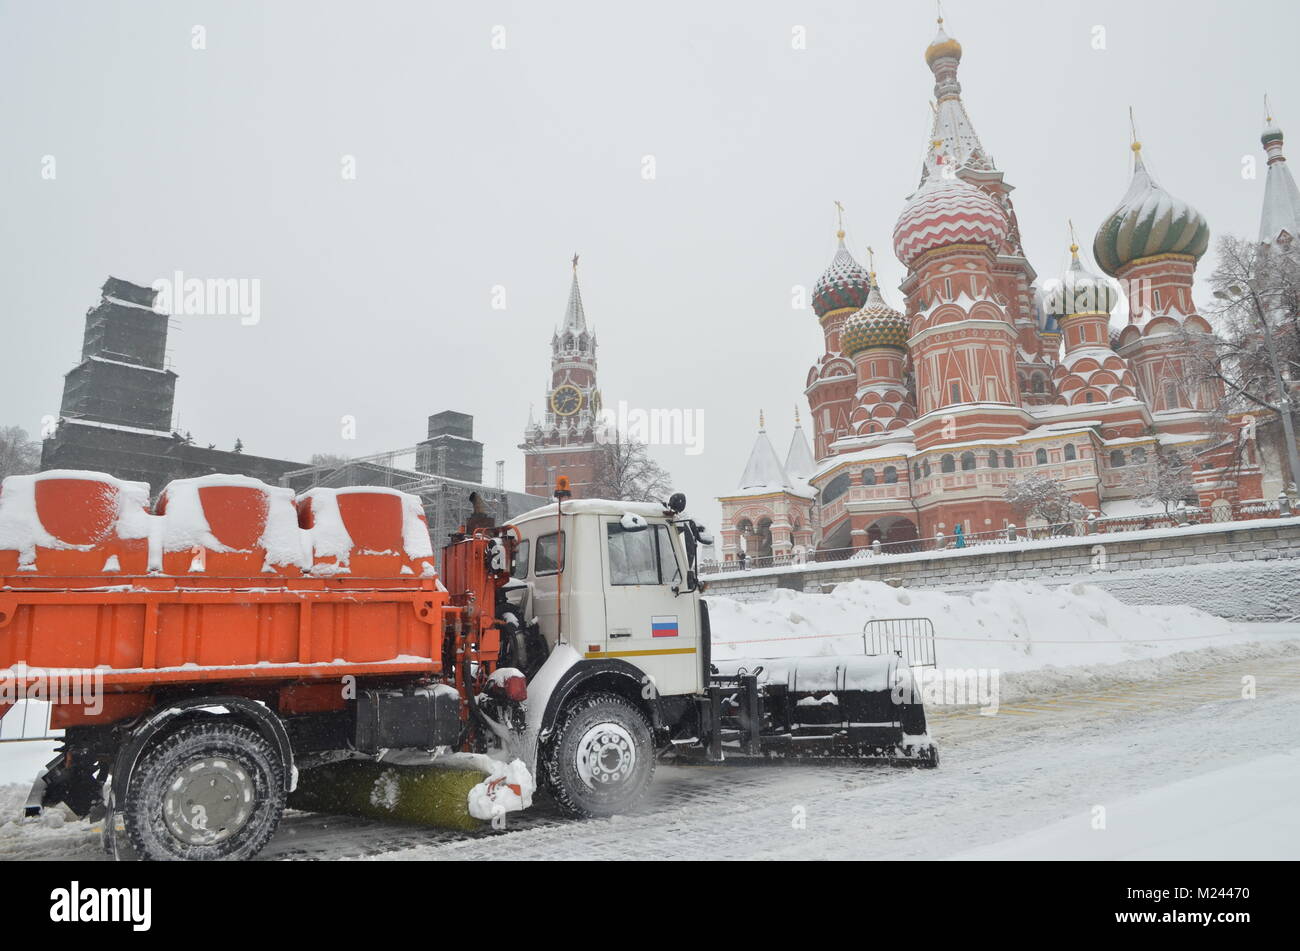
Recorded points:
(1240, 570)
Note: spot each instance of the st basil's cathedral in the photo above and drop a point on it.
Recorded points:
(921, 418)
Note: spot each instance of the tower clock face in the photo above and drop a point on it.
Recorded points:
(566, 400)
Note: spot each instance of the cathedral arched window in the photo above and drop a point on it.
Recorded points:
(925, 468)
(967, 461)
(1139, 456)
(1040, 457)
(835, 488)
(869, 477)
(891, 475)
(993, 459)
(947, 463)
(1040, 385)
(1009, 459)
(1117, 460)
(1070, 452)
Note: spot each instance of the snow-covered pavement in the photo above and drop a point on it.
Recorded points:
(1024, 782)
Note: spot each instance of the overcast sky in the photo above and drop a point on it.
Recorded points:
(477, 167)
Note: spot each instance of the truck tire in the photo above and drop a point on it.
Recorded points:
(212, 789)
(601, 759)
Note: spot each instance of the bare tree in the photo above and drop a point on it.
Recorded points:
(1039, 496)
(1167, 480)
(623, 470)
(19, 455)
(328, 459)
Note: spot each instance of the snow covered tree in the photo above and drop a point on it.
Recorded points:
(1038, 496)
(239, 445)
(19, 455)
(1167, 480)
(1252, 283)
(623, 470)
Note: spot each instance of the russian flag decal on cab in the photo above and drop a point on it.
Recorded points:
(663, 625)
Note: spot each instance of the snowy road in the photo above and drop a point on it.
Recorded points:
(1041, 761)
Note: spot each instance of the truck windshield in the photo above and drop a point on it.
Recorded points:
(645, 557)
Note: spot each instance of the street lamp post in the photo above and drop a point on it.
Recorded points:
(1234, 292)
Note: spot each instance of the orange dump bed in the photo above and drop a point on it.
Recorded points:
(226, 579)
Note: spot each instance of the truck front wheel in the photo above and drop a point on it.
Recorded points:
(601, 758)
(213, 789)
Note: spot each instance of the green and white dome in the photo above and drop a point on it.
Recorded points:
(1148, 222)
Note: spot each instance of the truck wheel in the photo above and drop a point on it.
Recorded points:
(601, 758)
(211, 790)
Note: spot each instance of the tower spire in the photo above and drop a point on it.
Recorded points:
(1280, 220)
(839, 221)
(575, 317)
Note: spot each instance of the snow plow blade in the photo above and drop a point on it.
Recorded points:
(465, 793)
(845, 707)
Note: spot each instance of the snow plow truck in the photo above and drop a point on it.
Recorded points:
(233, 649)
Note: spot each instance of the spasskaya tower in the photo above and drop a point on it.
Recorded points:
(563, 442)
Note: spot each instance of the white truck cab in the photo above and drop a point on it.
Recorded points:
(604, 616)
(610, 580)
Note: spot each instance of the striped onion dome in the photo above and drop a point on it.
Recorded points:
(1080, 292)
(875, 325)
(843, 285)
(1148, 222)
(945, 212)
(942, 46)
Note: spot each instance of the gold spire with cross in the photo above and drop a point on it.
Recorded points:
(839, 220)
(1074, 239)
(1136, 145)
(762, 423)
(796, 416)
(1268, 111)
(871, 262)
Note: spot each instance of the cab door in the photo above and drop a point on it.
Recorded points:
(646, 623)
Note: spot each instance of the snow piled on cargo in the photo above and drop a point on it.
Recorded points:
(20, 524)
(1012, 625)
(330, 537)
(185, 526)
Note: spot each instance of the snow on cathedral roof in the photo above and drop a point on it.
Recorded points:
(764, 473)
(1281, 212)
(798, 458)
(764, 469)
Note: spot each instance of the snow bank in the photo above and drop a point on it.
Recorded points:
(20, 524)
(1012, 626)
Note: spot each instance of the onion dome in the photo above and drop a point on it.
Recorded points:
(844, 285)
(946, 211)
(942, 47)
(1148, 222)
(1080, 292)
(875, 325)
